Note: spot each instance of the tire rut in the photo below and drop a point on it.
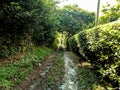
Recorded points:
(34, 79)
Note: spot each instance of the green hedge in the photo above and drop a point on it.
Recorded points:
(101, 46)
(72, 44)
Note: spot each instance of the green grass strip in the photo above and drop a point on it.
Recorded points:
(13, 74)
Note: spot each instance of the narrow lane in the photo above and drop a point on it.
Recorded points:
(64, 71)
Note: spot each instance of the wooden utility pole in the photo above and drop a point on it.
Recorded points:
(97, 16)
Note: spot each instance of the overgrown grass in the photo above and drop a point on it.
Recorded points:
(13, 74)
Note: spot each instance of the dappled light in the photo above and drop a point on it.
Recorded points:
(61, 39)
(85, 64)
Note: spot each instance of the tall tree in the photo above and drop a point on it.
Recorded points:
(74, 19)
(46, 22)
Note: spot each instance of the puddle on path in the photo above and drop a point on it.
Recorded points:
(70, 77)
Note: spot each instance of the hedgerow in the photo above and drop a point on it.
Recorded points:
(101, 46)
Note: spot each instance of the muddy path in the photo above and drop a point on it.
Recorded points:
(39, 71)
(52, 74)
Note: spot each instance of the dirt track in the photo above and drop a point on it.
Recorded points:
(39, 71)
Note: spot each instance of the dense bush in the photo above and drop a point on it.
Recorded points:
(101, 45)
(24, 23)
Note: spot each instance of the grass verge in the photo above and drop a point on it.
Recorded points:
(13, 74)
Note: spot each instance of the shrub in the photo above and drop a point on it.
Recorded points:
(101, 45)
(10, 46)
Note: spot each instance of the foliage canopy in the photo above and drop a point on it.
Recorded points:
(73, 19)
(110, 13)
